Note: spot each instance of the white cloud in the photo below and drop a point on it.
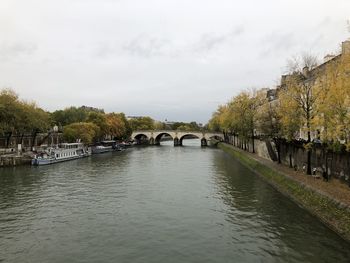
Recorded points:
(14, 50)
(167, 58)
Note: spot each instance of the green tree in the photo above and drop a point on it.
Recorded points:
(184, 127)
(118, 126)
(142, 123)
(87, 132)
(73, 114)
(99, 119)
(20, 117)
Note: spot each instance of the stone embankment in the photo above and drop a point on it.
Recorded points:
(328, 201)
(14, 160)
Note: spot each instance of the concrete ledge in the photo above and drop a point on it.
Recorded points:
(331, 212)
(8, 161)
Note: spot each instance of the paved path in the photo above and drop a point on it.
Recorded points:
(334, 189)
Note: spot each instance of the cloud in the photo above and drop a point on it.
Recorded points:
(141, 46)
(148, 46)
(278, 42)
(9, 51)
(104, 50)
(210, 41)
(145, 46)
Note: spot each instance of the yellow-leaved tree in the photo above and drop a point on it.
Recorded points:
(334, 109)
(300, 98)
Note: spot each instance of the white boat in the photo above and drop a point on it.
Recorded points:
(101, 149)
(106, 146)
(65, 152)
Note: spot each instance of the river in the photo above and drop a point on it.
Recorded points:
(155, 204)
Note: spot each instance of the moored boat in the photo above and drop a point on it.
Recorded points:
(106, 146)
(64, 152)
(125, 144)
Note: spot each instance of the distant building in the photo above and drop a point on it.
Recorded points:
(134, 117)
(271, 94)
(169, 122)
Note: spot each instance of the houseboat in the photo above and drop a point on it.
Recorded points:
(64, 152)
(106, 146)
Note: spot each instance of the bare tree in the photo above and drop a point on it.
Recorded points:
(297, 63)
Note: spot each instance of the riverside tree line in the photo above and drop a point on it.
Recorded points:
(311, 105)
(19, 117)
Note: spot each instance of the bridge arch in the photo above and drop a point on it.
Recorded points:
(141, 138)
(188, 135)
(153, 137)
(159, 136)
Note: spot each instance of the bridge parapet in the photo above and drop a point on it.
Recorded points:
(154, 136)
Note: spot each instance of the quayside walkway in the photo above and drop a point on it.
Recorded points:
(333, 189)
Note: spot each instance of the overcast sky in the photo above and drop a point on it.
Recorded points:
(169, 59)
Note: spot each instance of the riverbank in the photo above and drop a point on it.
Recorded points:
(328, 201)
(11, 160)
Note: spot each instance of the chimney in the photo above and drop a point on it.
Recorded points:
(283, 80)
(306, 71)
(346, 47)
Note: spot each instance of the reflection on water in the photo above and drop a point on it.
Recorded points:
(155, 204)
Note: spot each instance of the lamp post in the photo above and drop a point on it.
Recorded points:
(55, 131)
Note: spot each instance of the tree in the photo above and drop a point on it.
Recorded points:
(300, 98)
(73, 114)
(87, 132)
(10, 110)
(116, 125)
(159, 125)
(239, 117)
(184, 128)
(214, 122)
(243, 110)
(335, 108)
(142, 123)
(100, 120)
(33, 120)
(269, 123)
(20, 117)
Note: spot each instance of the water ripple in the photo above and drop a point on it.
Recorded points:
(156, 204)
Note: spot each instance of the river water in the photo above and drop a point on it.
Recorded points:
(155, 204)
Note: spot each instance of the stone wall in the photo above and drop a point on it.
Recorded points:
(7, 161)
(295, 156)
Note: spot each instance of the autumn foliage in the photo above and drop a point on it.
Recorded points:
(311, 103)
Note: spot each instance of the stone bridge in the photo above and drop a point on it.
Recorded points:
(153, 137)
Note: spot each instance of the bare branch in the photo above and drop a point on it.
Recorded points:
(309, 60)
(296, 63)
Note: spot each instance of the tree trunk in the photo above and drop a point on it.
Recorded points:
(290, 161)
(21, 140)
(8, 138)
(253, 141)
(308, 152)
(278, 150)
(348, 158)
(33, 139)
